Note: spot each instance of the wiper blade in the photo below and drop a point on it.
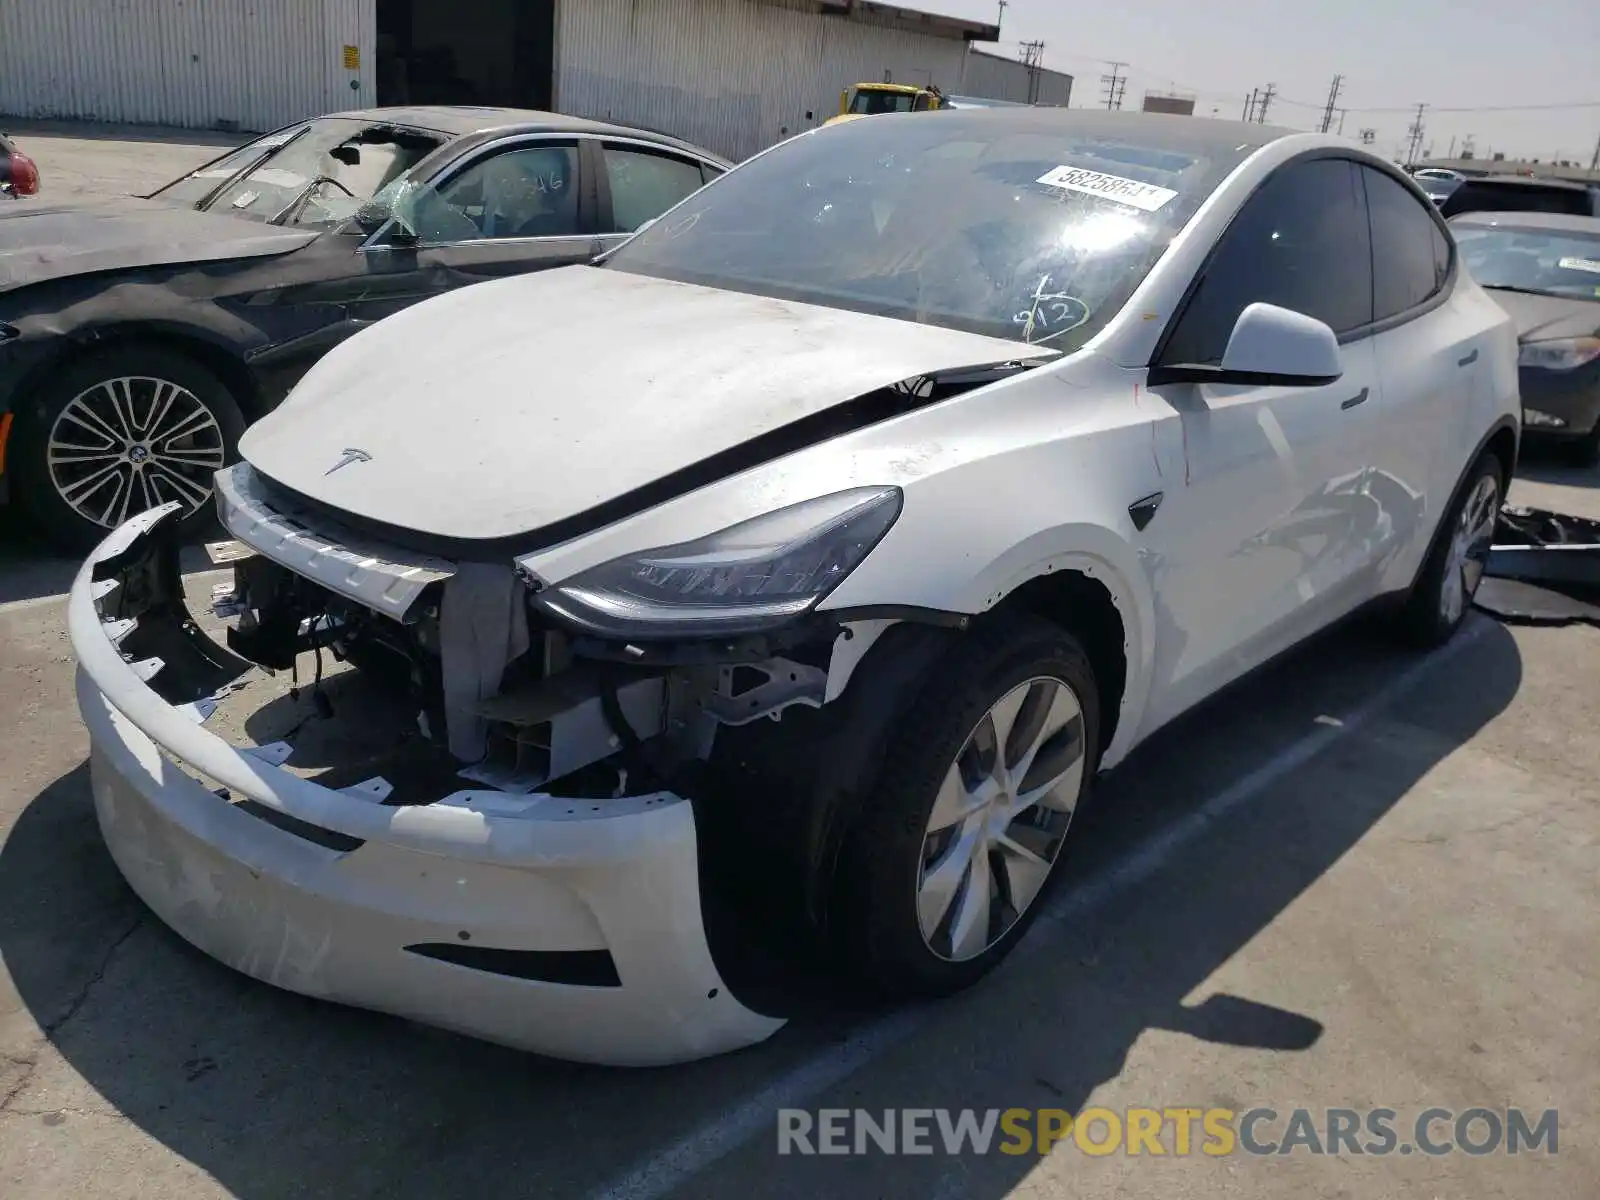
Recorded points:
(206, 201)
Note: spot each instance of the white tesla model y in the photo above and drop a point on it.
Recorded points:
(814, 548)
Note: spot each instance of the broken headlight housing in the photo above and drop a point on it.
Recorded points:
(750, 577)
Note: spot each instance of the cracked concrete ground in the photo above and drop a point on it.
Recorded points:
(1405, 913)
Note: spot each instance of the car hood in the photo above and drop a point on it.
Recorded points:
(1541, 318)
(40, 242)
(512, 407)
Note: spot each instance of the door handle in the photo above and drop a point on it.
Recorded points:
(1359, 398)
(1468, 360)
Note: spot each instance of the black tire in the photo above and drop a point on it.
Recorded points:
(874, 908)
(1426, 621)
(39, 488)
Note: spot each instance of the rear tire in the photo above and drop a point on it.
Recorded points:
(117, 432)
(914, 920)
(1443, 593)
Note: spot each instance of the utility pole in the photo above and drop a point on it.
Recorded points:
(1451, 153)
(1416, 131)
(1001, 19)
(1114, 85)
(1249, 113)
(1333, 98)
(1342, 115)
(1033, 59)
(1594, 163)
(1266, 99)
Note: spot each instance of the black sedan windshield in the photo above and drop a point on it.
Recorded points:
(1033, 229)
(1555, 262)
(317, 173)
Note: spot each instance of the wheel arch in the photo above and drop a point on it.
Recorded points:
(204, 350)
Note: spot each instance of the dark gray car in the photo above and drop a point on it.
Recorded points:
(1544, 269)
(138, 337)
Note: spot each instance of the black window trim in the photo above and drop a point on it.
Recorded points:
(603, 214)
(1360, 332)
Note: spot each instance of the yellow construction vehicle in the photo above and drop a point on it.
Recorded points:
(869, 99)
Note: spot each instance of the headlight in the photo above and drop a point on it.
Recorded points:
(749, 577)
(1559, 354)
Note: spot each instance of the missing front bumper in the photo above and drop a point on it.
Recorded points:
(544, 901)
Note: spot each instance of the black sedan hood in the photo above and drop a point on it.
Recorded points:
(39, 242)
(1541, 318)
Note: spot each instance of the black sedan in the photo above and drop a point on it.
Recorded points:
(1544, 269)
(139, 336)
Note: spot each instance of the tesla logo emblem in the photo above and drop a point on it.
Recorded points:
(350, 456)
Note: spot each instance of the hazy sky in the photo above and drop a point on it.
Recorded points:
(1394, 55)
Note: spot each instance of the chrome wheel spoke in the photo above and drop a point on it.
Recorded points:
(160, 406)
(969, 921)
(998, 821)
(185, 490)
(956, 801)
(192, 423)
(80, 414)
(200, 456)
(1020, 872)
(944, 880)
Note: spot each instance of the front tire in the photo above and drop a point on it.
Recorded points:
(1443, 593)
(947, 868)
(118, 432)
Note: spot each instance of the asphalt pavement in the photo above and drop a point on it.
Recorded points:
(1361, 880)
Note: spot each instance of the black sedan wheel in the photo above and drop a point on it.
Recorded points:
(118, 433)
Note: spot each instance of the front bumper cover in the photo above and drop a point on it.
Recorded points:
(461, 913)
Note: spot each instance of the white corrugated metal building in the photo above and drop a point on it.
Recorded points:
(1011, 79)
(732, 75)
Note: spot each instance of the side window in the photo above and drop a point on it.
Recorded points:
(645, 184)
(529, 191)
(708, 172)
(1301, 243)
(1405, 247)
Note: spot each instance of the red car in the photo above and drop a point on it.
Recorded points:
(19, 174)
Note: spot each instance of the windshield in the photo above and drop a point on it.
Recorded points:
(1555, 262)
(962, 221)
(317, 174)
(875, 101)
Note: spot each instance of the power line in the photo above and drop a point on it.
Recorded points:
(1333, 98)
(1114, 85)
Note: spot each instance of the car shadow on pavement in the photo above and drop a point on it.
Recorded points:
(1547, 467)
(273, 1094)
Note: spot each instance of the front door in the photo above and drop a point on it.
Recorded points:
(1263, 541)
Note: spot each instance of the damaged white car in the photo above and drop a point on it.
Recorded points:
(788, 575)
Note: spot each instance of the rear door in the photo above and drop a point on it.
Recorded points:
(1262, 541)
(1432, 343)
(637, 182)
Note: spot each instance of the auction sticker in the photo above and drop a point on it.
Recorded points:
(1146, 196)
(1581, 264)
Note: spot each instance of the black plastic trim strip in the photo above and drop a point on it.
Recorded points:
(575, 968)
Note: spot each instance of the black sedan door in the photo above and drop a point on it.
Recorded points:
(519, 206)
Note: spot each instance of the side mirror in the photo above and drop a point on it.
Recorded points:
(1269, 346)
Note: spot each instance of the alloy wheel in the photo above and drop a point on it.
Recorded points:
(1469, 548)
(129, 444)
(1000, 818)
